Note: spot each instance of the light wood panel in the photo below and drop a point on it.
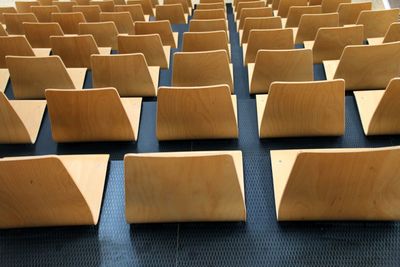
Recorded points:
(209, 14)
(136, 11)
(206, 25)
(104, 33)
(38, 34)
(93, 115)
(208, 112)
(210, 6)
(377, 22)
(52, 190)
(336, 184)
(207, 186)
(349, 12)
(14, 21)
(258, 24)
(90, 12)
(295, 13)
(6, 9)
(43, 13)
(69, 21)
(25, 6)
(105, 6)
(123, 21)
(295, 109)
(14, 46)
(330, 6)
(310, 24)
(174, 13)
(3, 31)
(205, 41)
(184, 3)
(392, 35)
(284, 6)
(251, 4)
(65, 6)
(162, 27)
(146, 6)
(295, 65)
(253, 13)
(4, 77)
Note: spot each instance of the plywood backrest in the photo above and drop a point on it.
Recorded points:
(83, 2)
(252, 4)
(330, 42)
(211, 1)
(162, 27)
(284, 6)
(75, 50)
(146, 5)
(295, 13)
(30, 76)
(207, 186)
(209, 14)
(128, 73)
(349, 12)
(377, 22)
(369, 66)
(205, 41)
(38, 34)
(201, 69)
(105, 33)
(268, 39)
(6, 9)
(304, 109)
(105, 6)
(345, 184)
(43, 13)
(90, 12)
(65, 6)
(314, 2)
(136, 11)
(123, 21)
(14, 21)
(210, 5)
(196, 113)
(69, 21)
(184, 4)
(236, 3)
(86, 115)
(393, 33)
(310, 24)
(295, 65)
(173, 12)
(205, 25)
(254, 12)
(330, 6)
(25, 6)
(275, 4)
(14, 46)
(260, 23)
(45, 2)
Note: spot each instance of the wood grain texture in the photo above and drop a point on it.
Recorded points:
(104, 33)
(174, 13)
(69, 21)
(285, 5)
(4, 77)
(349, 12)
(310, 24)
(366, 66)
(38, 34)
(6, 9)
(210, 5)
(295, 13)
(86, 115)
(14, 46)
(25, 6)
(237, 2)
(251, 4)
(258, 24)
(43, 13)
(90, 12)
(105, 6)
(377, 22)
(392, 35)
(20, 120)
(184, 3)
(336, 184)
(331, 6)
(330, 42)
(123, 21)
(208, 112)
(379, 109)
(128, 73)
(31, 76)
(211, 1)
(295, 65)
(295, 109)
(207, 186)
(52, 190)
(136, 11)
(161, 27)
(146, 6)
(258, 12)
(206, 25)
(65, 6)
(206, 41)
(202, 69)
(209, 14)
(150, 45)
(14, 22)
(276, 39)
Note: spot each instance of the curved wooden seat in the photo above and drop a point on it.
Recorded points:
(392, 35)
(209, 14)
(217, 5)
(123, 21)
(25, 6)
(295, 13)
(185, 5)
(377, 22)
(104, 33)
(311, 23)
(285, 5)
(90, 12)
(69, 21)
(136, 11)
(38, 34)
(261, 23)
(242, 5)
(174, 13)
(161, 27)
(4, 10)
(14, 22)
(258, 12)
(330, 6)
(105, 6)
(64, 6)
(349, 12)
(43, 13)
(147, 6)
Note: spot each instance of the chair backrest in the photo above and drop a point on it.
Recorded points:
(393, 33)
(267, 39)
(211, 1)
(86, 115)
(201, 69)
(90, 12)
(128, 73)
(3, 32)
(315, 2)
(295, 109)
(184, 4)
(295, 13)
(236, 3)
(174, 13)
(38, 34)
(349, 12)
(310, 24)
(209, 14)
(69, 21)
(205, 25)
(207, 112)
(123, 21)
(65, 6)
(377, 22)
(162, 27)
(31, 76)
(207, 186)
(83, 2)
(210, 5)
(330, 42)
(259, 24)
(43, 13)
(320, 184)
(254, 12)
(6, 9)
(105, 6)
(205, 41)
(147, 6)
(14, 46)
(136, 11)
(251, 4)
(295, 65)
(104, 33)
(284, 6)
(275, 4)
(25, 6)
(14, 21)
(330, 6)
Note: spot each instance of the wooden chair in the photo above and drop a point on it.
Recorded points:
(314, 2)
(83, 2)
(45, 2)
(218, 5)
(207, 186)
(379, 109)
(65, 6)
(266, 39)
(349, 12)
(4, 77)
(377, 22)
(123, 21)
(52, 190)
(75, 51)
(147, 6)
(258, 24)
(366, 66)
(38, 34)
(207, 25)
(31, 76)
(6, 9)
(209, 14)
(252, 13)
(136, 11)
(392, 35)
(242, 5)
(18, 46)
(310, 24)
(174, 13)
(93, 115)
(184, 3)
(206, 41)
(14, 22)
(330, 42)
(331, 6)
(128, 73)
(150, 45)
(104, 33)
(69, 21)
(285, 5)
(235, 4)
(105, 6)
(161, 27)
(336, 184)
(295, 13)
(90, 12)
(20, 120)
(43, 13)
(211, 1)
(25, 6)
(296, 109)
(202, 69)
(294, 65)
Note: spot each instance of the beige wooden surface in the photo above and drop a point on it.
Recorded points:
(25, 6)
(209, 14)
(205, 25)
(14, 46)
(104, 33)
(251, 4)
(295, 13)
(4, 78)
(349, 12)
(174, 13)
(146, 5)
(377, 22)
(392, 35)
(254, 23)
(162, 27)
(330, 6)
(6, 9)
(38, 34)
(69, 22)
(183, 3)
(105, 6)
(91, 12)
(43, 13)
(14, 22)
(284, 6)
(206, 41)
(123, 21)
(252, 13)
(136, 11)
(210, 5)
(65, 6)
(310, 24)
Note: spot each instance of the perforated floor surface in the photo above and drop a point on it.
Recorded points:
(261, 241)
